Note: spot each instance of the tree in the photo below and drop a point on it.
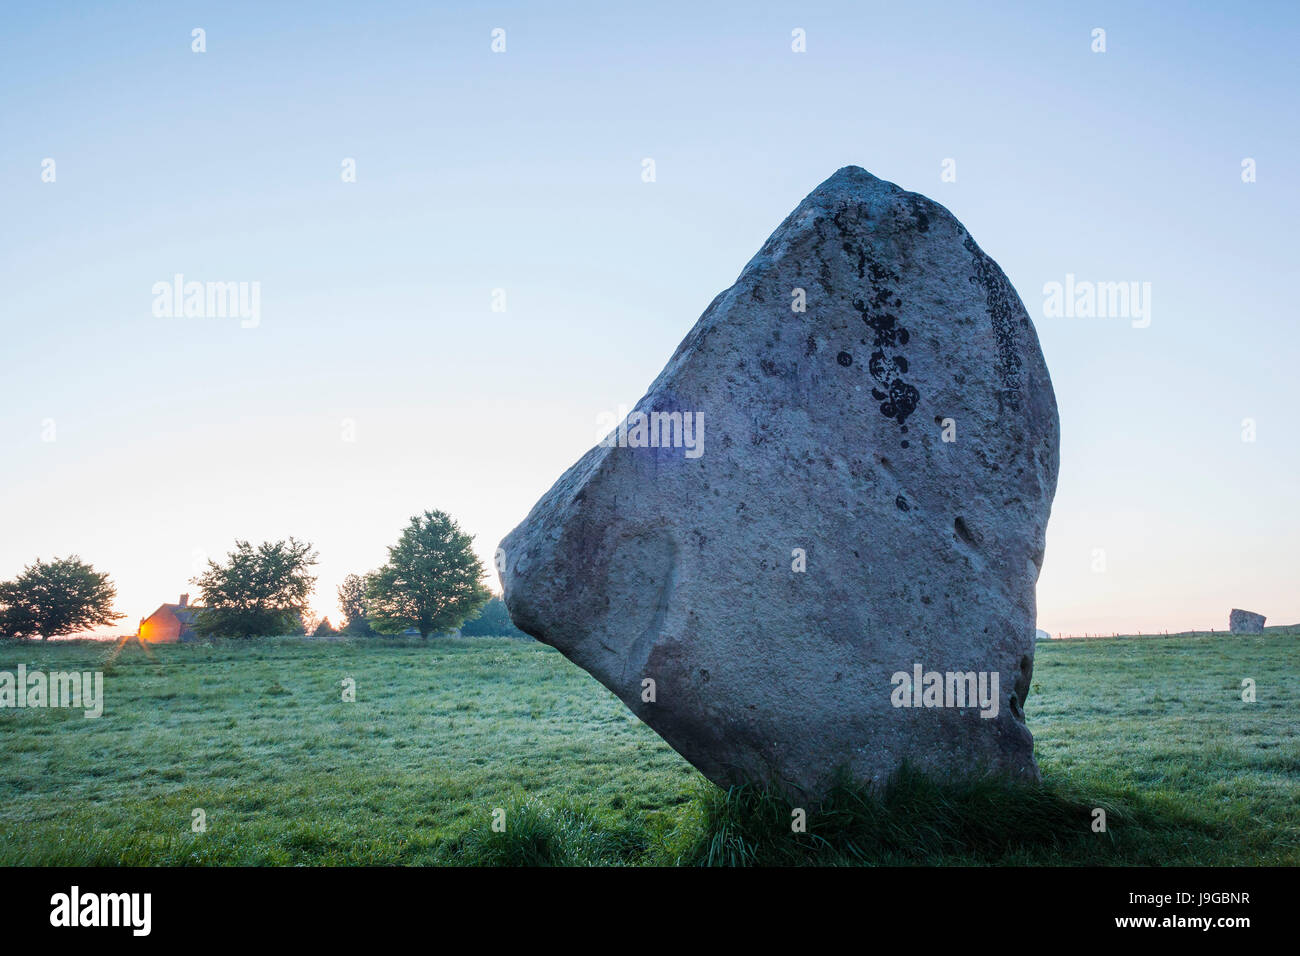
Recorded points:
(492, 621)
(433, 580)
(258, 591)
(304, 623)
(352, 602)
(324, 629)
(60, 597)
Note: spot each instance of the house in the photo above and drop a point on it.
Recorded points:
(170, 623)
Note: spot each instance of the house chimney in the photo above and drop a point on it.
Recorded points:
(185, 600)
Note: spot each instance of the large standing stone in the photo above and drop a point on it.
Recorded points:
(1245, 622)
(879, 455)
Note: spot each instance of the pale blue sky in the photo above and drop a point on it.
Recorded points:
(522, 171)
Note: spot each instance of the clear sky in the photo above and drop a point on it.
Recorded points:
(144, 443)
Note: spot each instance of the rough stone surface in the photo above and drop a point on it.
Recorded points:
(1245, 622)
(823, 431)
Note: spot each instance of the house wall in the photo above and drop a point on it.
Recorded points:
(161, 627)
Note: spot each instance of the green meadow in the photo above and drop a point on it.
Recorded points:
(256, 736)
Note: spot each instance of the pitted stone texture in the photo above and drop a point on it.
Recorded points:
(1245, 622)
(824, 430)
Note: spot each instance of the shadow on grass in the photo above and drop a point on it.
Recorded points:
(914, 820)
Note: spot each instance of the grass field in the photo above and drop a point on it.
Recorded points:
(1153, 730)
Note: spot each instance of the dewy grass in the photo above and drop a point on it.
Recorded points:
(914, 819)
(532, 834)
(443, 733)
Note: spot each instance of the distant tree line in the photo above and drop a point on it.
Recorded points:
(432, 583)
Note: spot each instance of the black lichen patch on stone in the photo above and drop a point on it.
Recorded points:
(902, 504)
(845, 359)
(898, 398)
(850, 244)
(1000, 303)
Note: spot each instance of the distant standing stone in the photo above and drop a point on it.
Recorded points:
(820, 554)
(1245, 622)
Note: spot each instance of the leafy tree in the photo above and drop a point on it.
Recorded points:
(352, 602)
(258, 591)
(492, 621)
(359, 628)
(60, 597)
(324, 629)
(433, 580)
